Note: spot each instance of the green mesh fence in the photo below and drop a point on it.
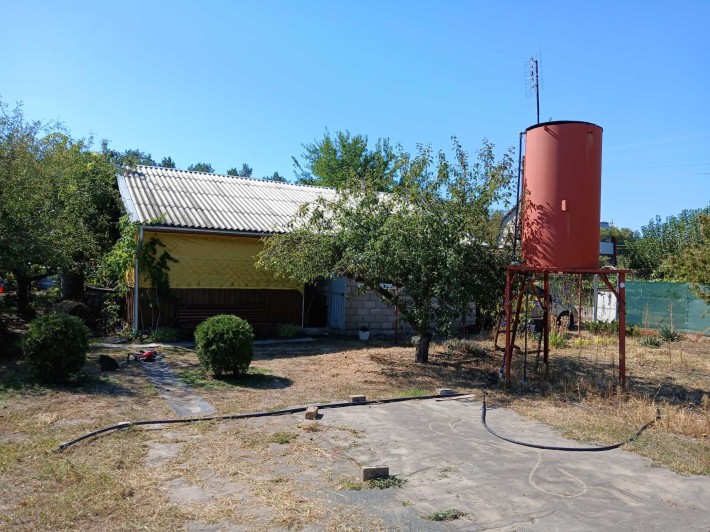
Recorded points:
(658, 305)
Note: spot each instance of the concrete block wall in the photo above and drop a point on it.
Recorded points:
(367, 309)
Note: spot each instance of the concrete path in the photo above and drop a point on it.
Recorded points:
(179, 396)
(451, 461)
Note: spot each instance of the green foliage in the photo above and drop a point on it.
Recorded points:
(650, 341)
(424, 237)
(558, 339)
(153, 262)
(164, 334)
(446, 515)
(668, 334)
(127, 158)
(201, 167)
(244, 171)
(602, 327)
(386, 482)
(283, 437)
(413, 392)
(286, 330)
(634, 331)
(662, 248)
(167, 162)
(344, 160)
(58, 201)
(692, 263)
(275, 177)
(224, 344)
(55, 347)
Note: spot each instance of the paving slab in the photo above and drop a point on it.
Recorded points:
(451, 461)
(179, 396)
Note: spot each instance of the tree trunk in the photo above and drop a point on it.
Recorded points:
(422, 356)
(73, 285)
(23, 296)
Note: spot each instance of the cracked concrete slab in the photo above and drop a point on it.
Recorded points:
(451, 461)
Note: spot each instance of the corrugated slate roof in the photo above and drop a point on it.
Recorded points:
(212, 201)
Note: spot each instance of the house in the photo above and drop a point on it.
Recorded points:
(214, 225)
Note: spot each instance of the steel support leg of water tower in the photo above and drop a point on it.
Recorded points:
(620, 294)
(508, 316)
(622, 329)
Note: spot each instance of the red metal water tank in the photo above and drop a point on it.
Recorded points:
(562, 202)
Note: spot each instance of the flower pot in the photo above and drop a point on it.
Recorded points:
(364, 335)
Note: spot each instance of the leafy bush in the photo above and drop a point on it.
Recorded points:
(286, 330)
(558, 339)
(55, 347)
(633, 330)
(224, 344)
(669, 334)
(650, 341)
(163, 334)
(600, 327)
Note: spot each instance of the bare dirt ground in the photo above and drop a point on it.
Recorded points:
(282, 472)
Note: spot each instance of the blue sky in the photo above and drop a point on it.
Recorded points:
(231, 82)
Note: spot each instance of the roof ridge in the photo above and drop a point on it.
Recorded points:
(255, 179)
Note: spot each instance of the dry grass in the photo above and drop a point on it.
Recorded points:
(579, 395)
(276, 472)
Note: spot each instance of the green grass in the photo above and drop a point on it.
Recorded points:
(377, 483)
(413, 392)
(446, 515)
(200, 378)
(282, 437)
(386, 482)
(558, 340)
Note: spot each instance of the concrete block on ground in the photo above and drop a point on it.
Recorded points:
(445, 391)
(375, 472)
(312, 412)
(358, 398)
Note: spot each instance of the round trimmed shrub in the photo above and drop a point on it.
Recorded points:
(224, 344)
(55, 347)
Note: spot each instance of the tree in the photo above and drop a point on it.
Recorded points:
(275, 177)
(201, 167)
(167, 162)
(127, 158)
(662, 239)
(245, 171)
(692, 265)
(423, 238)
(57, 201)
(343, 160)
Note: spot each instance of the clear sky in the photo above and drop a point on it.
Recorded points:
(228, 82)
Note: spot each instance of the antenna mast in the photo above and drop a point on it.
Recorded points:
(533, 82)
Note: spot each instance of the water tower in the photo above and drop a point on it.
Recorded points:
(559, 209)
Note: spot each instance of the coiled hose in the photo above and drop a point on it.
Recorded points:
(556, 448)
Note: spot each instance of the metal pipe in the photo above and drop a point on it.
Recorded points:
(136, 281)
(517, 193)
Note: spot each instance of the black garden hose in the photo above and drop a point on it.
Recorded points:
(285, 411)
(555, 448)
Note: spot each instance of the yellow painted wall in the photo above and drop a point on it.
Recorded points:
(211, 261)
